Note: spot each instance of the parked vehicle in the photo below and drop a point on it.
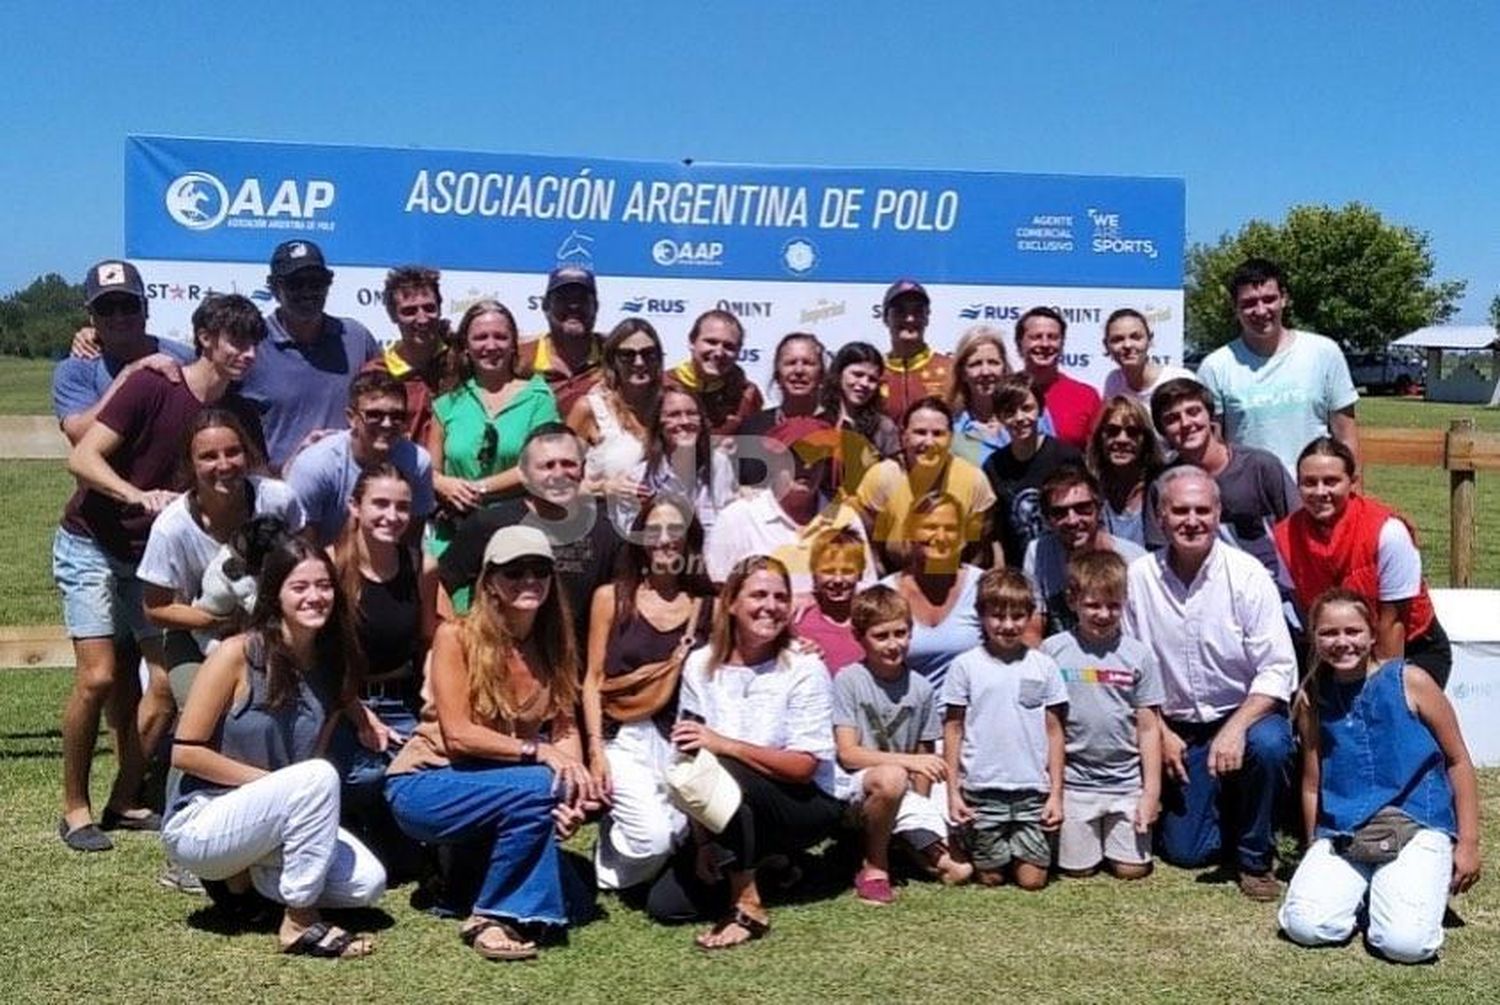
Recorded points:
(1388, 371)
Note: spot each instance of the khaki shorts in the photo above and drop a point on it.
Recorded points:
(1098, 826)
(1007, 825)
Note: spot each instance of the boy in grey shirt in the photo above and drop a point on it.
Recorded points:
(1112, 776)
(1005, 706)
(885, 726)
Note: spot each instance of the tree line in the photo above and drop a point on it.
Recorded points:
(1355, 277)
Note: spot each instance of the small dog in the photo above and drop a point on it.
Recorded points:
(229, 582)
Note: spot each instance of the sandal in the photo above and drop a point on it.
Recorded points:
(518, 948)
(754, 929)
(323, 941)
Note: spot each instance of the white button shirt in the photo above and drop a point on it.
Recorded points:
(757, 525)
(1218, 639)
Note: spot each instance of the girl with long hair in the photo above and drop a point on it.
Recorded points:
(681, 460)
(497, 759)
(851, 401)
(614, 419)
(1389, 796)
(660, 601)
(256, 803)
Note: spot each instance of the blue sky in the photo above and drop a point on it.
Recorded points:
(1258, 107)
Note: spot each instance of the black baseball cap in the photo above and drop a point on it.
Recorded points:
(900, 288)
(571, 275)
(112, 276)
(294, 256)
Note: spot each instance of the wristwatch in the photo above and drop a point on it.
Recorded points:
(528, 752)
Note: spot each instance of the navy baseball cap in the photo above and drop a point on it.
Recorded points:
(112, 276)
(900, 288)
(294, 256)
(571, 275)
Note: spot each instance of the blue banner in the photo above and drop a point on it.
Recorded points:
(233, 201)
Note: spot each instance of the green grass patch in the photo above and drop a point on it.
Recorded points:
(1414, 413)
(32, 494)
(25, 386)
(77, 926)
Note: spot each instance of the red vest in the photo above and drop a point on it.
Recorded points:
(1348, 555)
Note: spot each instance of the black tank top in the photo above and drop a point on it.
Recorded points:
(390, 619)
(637, 642)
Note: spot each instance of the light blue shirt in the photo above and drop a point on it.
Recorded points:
(78, 384)
(1283, 402)
(935, 647)
(324, 474)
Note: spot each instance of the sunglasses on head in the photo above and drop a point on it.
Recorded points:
(115, 307)
(526, 568)
(488, 448)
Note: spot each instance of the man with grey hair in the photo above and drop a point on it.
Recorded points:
(1212, 617)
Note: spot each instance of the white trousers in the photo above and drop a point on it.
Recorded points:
(642, 828)
(284, 828)
(1407, 898)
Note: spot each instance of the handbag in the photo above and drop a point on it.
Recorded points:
(1379, 840)
(705, 790)
(646, 690)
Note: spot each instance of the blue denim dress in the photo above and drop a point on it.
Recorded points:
(1376, 753)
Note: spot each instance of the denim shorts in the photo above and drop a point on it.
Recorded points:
(102, 598)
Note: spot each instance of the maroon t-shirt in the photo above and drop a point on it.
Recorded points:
(150, 413)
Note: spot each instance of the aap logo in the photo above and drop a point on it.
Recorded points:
(198, 201)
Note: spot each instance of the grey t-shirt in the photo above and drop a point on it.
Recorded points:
(1106, 685)
(891, 715)
(1255, 493)
(1046, 565)
(1005, 704)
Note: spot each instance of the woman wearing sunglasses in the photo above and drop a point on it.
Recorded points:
(1124, 455)
(615, 418)
(481, 424)
(496, 761)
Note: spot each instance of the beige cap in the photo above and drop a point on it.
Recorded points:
(510, 543)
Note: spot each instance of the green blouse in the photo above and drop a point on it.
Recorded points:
(461, 411)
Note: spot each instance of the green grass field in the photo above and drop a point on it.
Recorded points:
(25, 386)
(80, 927)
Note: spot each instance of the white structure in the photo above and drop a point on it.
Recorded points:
(1467, 381)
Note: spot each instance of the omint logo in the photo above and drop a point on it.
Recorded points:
(198, 200)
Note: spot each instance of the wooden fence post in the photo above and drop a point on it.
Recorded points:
(1457, 451)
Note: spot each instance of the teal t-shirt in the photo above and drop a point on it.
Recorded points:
(1279, 403)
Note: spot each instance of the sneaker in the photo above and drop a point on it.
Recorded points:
(874, 889)
(1260, 886)
(86, 838)
(175, 877)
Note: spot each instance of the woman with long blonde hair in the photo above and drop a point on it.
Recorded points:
(497, 758)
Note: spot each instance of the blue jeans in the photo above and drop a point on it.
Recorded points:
(508, 807)
(1203, 818)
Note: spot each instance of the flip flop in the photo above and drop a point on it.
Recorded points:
(336, 947)
(520, 949)
(754, 928)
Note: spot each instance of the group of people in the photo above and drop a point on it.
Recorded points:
(421, 612)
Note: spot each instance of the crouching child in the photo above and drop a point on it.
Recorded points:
(1112, 775)
(885, 726)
